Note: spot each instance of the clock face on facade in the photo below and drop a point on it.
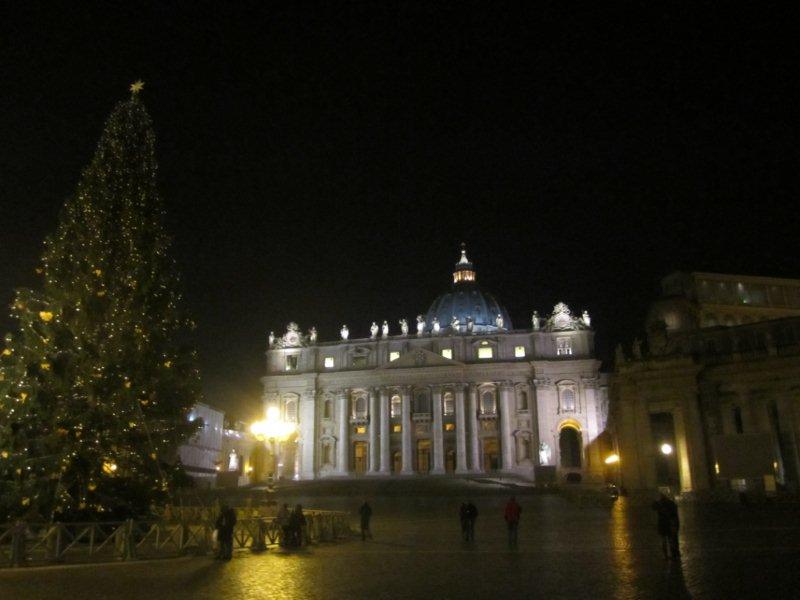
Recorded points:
(292, 338)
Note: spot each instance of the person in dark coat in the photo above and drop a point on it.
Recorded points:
(226, 521)
(366, 513)
(668, 524)
(472, 516)
(463, 516)
(282, 521)
(297, 521)
(511, 515)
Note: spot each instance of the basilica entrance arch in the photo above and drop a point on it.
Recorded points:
(570, 445)
(423, 456)
(360, 457)
(491, 454)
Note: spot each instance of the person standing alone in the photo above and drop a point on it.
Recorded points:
(668, 524)
(472, 516)
(511, 515)
(226, 521)
(366, 513)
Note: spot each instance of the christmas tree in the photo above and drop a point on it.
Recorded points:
(96, 385)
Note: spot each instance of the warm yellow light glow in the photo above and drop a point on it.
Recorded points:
(666, 449)
(611, 459)
(397, 428)
(716, 468)
(449, 426)
(6, 352)
(486, 352)
(109, 467)
(361, 429)
(45, 315)
(273, 428)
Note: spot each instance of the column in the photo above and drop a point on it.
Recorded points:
(343, 443)
(308, 435)
(407, 469)
(533, 407)
(472, 418)
(461, 431)
(386, 459)
(508, 447)
(438, 435)
(374, 424)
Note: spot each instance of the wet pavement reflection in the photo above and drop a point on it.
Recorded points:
(564, 550)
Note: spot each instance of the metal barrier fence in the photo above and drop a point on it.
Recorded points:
(46, 543)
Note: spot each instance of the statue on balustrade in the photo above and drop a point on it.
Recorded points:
(373, 330)
(403, 327)
(420, 326)
(436, 326)
(385, 329)
(345, 332)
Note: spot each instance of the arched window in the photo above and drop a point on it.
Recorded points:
(488, 403)
(422, 403)
(522, 400)
(360, 406)
(569, 444)
(449, 404)
(327, 409)
(291, 410)
(566, 397)
(396, 406)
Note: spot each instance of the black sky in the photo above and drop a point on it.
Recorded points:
(323, 164)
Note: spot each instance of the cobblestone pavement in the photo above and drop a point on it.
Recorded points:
(564, 551)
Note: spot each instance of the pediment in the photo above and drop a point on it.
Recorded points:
(419, 357)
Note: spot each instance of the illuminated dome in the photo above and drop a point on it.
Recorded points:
(466, 300)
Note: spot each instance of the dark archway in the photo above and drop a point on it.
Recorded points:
(569, 444)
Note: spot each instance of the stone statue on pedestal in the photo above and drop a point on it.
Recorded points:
(312, 335)
(345, 332)
(436, 326)
(470, 324)
(544, 454)
(373, 330)
(271, 338)
(586, 319)
(499, 321)
(420, 326)
(535, 320)
(403, 327)
(455, 324)
(385, 329)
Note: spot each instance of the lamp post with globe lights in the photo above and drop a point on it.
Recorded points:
(275, 431)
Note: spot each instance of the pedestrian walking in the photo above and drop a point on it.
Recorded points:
(463, 517)
(226, 521)
(472, 516)
(297, 522)
(511, 515)
(366, 513)
(282, 521)
(668, 524)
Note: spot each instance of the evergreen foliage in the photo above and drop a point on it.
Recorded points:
(96, 385)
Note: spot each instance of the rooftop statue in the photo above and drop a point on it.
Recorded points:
(385, 329)
(436, 326)
(455, 324)
(312, 335)
(420, 326)
(271, 339)
(345, 332)
(403, 327)
(373, 330)
(499, 321)
(535, 321)
(586, 318)
(470, 324)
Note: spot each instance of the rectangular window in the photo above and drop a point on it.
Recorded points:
(485, 352)
(397, 428)
(291, 362)
(329, 362)
(563, 346)
(393, 356)
(519, 351)
(449, 426)
(361, 429)
(447, 353)
(359, 361)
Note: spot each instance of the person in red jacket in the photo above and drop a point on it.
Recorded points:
(512, 513)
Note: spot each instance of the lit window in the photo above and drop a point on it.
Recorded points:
(393, 356)
(488, 403)
(361, 429)
(329, 362)
(447, 353)
(519, 351)
(449, 426)
(291, 411)
(291, 362)
(563, 346)
(485, 352)
(567, 399)
(397, 428)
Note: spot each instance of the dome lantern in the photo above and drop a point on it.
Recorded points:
(464, 273)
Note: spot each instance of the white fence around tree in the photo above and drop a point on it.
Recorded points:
(179, 534)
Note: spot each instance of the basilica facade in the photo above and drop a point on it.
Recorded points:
(457, 391)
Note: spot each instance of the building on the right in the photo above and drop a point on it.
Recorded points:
(711, 402)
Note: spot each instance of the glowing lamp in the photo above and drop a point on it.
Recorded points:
(611, 459)
(666, 449)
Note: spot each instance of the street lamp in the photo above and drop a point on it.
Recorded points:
(666, 449)
(274, 430)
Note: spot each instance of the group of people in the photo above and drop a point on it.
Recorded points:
(468, 514)
(291, 523)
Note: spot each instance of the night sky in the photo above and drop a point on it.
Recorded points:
(323, 165)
